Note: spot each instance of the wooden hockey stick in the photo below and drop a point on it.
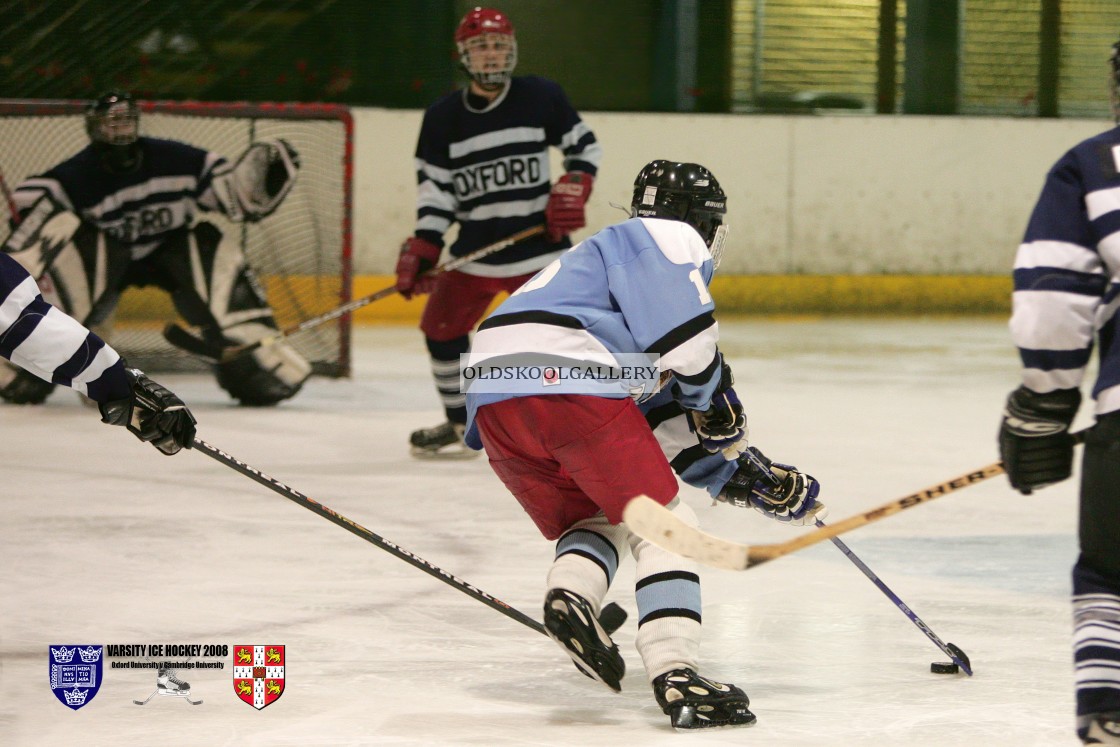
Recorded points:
(611, 617)
(659, 525)
(181, 338)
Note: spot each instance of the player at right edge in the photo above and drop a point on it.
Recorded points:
(1066, 297)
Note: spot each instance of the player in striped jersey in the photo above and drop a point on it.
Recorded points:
(139, 200)
(482, 161)
(574, 450)
(53, 346)
(1066, 301)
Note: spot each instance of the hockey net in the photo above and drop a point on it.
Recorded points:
(301, 253)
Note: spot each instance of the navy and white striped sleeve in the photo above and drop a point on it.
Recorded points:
(436, 201)
(51, 345)
(569, 133)
(1059, 279)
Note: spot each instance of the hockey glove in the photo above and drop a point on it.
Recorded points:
(1034, 439)
(417, 257)
(153, 414)
(565, 210)
(723, 426)
(26, 389)
(777, 490)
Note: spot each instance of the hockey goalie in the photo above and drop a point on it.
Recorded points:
(125, 211)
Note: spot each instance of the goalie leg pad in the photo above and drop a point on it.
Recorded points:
(272, 373)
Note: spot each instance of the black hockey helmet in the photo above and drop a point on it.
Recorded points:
(686, 192)
(113, 126)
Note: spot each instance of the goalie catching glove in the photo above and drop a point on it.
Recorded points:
(152, 414)
(260, 180)
(777, 490)
(723, 426)
(1034, 440)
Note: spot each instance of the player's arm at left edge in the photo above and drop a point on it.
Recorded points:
(53, 346)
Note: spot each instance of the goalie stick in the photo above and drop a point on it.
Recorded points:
(660, 526)
(181, 338)
(611, 617)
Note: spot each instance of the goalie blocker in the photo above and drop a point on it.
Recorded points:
(83, 271)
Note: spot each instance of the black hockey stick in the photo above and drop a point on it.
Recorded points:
(611, 617)
(953, 652)
(185, 340)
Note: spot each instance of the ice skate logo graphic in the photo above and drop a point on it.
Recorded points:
(75, 673)
(169, 684)
(258, 674)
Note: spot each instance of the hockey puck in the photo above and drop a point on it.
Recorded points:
(944, 667)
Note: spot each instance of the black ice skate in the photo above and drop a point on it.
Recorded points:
(695, 702)
(569, 620)
(1100, 728)
(168, 684)
(444, 441)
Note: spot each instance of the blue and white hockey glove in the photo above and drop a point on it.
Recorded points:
(723, 426)
(777, 490)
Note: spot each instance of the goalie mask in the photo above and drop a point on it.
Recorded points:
(686, 192)
(113, 126)
(487, 47)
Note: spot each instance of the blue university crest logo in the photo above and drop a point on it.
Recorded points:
(75, 673)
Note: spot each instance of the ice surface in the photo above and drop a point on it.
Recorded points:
(104, 540)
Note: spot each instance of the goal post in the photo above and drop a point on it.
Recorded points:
(301, 253)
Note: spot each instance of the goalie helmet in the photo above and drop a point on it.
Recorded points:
(113, 126)
(487, 47)
(686, 192)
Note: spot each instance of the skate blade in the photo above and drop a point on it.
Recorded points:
(693, 717)
(457, 452)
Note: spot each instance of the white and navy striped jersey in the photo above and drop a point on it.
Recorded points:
(1067, 274)
(46, 342)
(485, 166)
(636, 288)
(140, 208)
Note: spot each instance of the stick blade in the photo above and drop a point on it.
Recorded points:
(651, 521)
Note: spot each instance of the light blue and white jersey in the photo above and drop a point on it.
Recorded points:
(46, 342)
(639, 287)
(1067, 274)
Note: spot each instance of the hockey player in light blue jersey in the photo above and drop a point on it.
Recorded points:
(56, 348)
(574, 446)
(1066, 301)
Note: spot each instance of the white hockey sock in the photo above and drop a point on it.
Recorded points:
(587, 556)
(667, 590)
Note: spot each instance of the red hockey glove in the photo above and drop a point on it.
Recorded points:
(417, 257)
(565, 212)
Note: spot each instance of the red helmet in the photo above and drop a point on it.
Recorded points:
(487, 33)
(483, 21)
